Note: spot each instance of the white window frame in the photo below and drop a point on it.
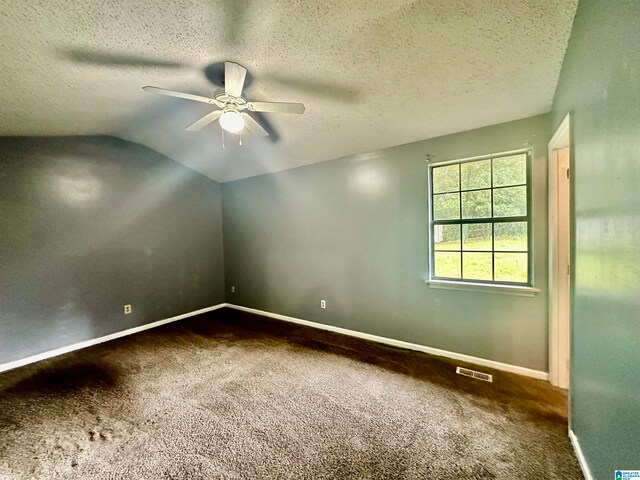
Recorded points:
(484, 286)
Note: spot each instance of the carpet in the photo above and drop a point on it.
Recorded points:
(231, 395)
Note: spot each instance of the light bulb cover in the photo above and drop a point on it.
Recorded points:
(232, 121)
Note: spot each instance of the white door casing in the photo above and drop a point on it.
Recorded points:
(559, 256)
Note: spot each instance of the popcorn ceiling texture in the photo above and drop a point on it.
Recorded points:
(372, 73)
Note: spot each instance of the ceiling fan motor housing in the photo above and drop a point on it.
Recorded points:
(225, 99)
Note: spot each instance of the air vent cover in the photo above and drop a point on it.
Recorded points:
(485, 377)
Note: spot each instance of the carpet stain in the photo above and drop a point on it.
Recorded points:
(231, 395)
(64, 379)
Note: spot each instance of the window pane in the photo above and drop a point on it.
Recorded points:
(510, 202)
(511, 267)
(447, 264)
(446, 206)
(511, 236)
(446, 179)
(446, 237)
(476, 175)
(510, 170)
(476, 204)
(477, 266)
(476, 236)
(475, 192)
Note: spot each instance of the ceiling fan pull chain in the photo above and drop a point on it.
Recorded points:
(240, 138)
(222, 130)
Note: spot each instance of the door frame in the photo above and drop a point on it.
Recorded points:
(559, 328)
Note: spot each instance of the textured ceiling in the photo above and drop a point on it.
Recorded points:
(372, 73)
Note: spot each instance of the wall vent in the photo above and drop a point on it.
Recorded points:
(485, 377)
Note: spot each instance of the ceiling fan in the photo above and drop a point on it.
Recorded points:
(232, 106)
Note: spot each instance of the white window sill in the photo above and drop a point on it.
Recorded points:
(521, 291)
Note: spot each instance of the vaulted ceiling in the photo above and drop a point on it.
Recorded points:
(372, 73)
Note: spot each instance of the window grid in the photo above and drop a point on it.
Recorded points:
(493, 231)
(526, 219)
(485, 188)
(461, 229)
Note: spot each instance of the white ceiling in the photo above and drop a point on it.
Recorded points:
(372, 73)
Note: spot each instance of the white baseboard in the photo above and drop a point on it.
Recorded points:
(106, 338)
(581, 459)
(398, 343)
(375, 338)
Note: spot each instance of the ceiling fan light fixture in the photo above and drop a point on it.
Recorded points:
(232, 121)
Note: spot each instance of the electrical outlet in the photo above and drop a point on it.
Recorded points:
(323, 304)
(233, 289)
(127, 309)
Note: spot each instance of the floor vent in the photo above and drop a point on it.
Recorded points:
(485, 377)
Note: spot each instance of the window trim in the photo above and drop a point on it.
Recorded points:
(470, 286)
(473, 284)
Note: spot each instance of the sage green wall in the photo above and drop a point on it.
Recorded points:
(92, 223)
(353, 231)
(599, 87)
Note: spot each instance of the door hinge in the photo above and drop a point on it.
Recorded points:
(568, 172)
(568, 269)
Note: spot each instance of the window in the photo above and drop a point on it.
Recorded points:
(480, 220)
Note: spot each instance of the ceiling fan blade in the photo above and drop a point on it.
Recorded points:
(234, 78)
(326, 89)
(108, 59)
(254, 127)
(186, 96)
(204, 121)
(236, 21)
(279, 107)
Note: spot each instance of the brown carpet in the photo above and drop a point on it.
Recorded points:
(232, 395)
